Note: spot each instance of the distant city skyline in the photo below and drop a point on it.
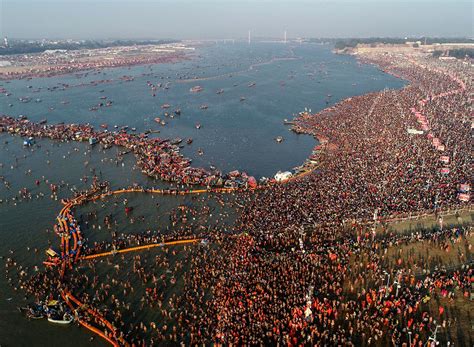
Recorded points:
(212, 19)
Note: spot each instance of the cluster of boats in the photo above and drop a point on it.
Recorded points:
(55, 311)
(176, 112)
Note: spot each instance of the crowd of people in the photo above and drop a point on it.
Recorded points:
(158, 158)
(301, 265)
(59, 62)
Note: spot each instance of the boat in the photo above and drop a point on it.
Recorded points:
(43, 121)
(200, 151)
(35, 315)
(203, 107)
(103, 97)
(279, 139)
(177, 111)
(165, 106)
(242, 98)
(29, 142)
(252, 84)
(176, 141)
(158, 119)
(198, 126)
(220, 91)
(196, 89)
(104, 126)
(189, 141)
(66, 319)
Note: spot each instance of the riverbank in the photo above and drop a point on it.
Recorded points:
(60, 62)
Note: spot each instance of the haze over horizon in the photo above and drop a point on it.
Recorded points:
(213, 19)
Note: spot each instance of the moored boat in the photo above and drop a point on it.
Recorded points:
(65, 319)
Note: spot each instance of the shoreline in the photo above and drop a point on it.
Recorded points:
(43, 65)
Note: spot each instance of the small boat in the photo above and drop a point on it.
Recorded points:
(35, 315)
(203, 107)
(220, 91)
(104, 126)
(66, 319)
(196, 89)
(198, 126)
(38, 100)
(279, 139)
(189, 141)
(165, 106)
(103, 97)
(252, 84)
(242, 98)
(200, 151)
(43, 121)
(29, 142)
(163, 122)
(158, 119)
(177, 111)
(176, 141)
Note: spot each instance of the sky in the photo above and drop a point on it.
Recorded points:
(214, 19)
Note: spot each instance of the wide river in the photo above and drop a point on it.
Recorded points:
(262, 84)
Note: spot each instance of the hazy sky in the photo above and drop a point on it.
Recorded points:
(200, 19)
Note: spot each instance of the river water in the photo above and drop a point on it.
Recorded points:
(234, 134)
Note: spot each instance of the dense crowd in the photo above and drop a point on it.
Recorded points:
(301, 266)
(158, 158)
(56, 63)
